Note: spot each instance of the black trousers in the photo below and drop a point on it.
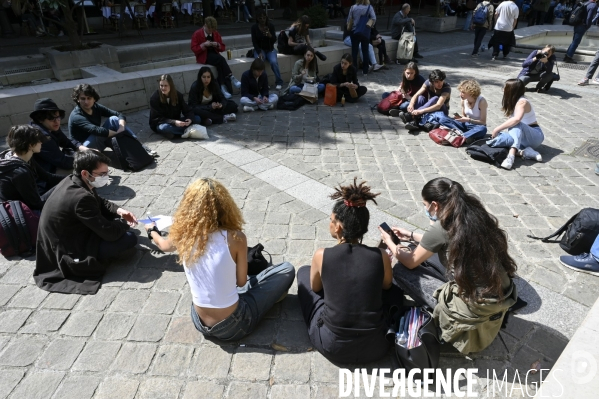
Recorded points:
(336, 348)
(216, 115)
(382, 51)
(111, 249)
(222, 68)
(545, 80)
(344, 91)
(479, 35)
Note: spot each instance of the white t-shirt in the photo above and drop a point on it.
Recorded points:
(508, 13)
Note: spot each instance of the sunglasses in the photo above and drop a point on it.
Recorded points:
(54, 118)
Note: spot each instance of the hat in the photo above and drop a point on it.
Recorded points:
(45, 104)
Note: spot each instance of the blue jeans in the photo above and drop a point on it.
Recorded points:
(525, 136)
(470, 130)
(271, 57)
(99, 142)
(579, 32)
(166, 128)
(595, 249)
(593, 66)
(256, 298)
(296, 89)
(468, 20)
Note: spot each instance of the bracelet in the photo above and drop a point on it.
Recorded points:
(154, 228)
(412, 236)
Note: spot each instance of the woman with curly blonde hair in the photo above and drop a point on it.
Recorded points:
(226, 303)
(472, 122)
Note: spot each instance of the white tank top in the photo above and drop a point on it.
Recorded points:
(529, 117)
(213, 278)
(474, 112)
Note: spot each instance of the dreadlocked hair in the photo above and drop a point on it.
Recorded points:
(350, 208)
(206, 207)
(478, 249)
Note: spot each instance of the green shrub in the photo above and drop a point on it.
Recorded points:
(318, 16)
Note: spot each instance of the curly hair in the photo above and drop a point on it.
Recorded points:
(86, 89)
(206, 207)
(470, 87)
(350, 209)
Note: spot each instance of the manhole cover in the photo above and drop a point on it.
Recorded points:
(589, 149)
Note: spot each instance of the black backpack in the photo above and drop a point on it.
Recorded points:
(580, 232)
(290, 102)
(130, 152)
(18, 229)
(578, 15)
(480, 151)
(283, 43)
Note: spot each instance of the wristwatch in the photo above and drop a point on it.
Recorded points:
(154, 228)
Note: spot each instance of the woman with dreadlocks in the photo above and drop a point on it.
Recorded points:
(470, 285)
(341, 292)
(226, 303)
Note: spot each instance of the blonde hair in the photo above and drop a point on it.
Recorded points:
(206, 207)
(210, 22)
(470, 87)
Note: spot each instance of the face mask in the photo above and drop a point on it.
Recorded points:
(100, 181)
(428, 214)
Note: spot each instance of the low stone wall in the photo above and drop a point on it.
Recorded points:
(131, 90)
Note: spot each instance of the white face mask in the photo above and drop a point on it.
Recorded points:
(100, 181)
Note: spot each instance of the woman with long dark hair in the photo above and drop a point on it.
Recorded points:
(207, 100)
(460, 266)
(341, 292)
(345, 77)
(299, 38)
(305, 70)
(166, 109)
(411, 82)
(521, 132)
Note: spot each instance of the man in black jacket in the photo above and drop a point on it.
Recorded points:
(78, 230)
(58, 151)
(254, 89)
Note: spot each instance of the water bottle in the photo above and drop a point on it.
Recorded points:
(401, 339)
(501, 47)
(483, 48)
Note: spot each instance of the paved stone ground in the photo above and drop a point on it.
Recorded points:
(134, 339)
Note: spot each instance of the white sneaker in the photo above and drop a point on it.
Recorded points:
(230, 117)
(278, 87)
(248, 108)
(508, 162)
(235, 82)
(529, 153)
(265, 107)
(225, 92)
(377, 67)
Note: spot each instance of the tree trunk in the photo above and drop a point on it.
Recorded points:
(70, 27)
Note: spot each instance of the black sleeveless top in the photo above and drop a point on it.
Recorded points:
(352, 280)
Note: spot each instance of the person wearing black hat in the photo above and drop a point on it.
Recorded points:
(59, 150)
(19, 171)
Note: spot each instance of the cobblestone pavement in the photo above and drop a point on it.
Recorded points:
(135, 339)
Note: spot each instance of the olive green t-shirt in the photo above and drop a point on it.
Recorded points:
(436, 240)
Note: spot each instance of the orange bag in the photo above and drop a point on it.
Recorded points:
(330, 95)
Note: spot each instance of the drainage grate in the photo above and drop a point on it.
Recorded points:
(27, 69)
(589, 149)
(578, 67)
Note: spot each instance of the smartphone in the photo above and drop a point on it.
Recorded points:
(456, 115)
(388, 230)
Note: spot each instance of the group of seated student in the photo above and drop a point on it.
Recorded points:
(207, 44)
(428, 108)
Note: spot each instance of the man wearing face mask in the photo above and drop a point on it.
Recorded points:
(79, 231)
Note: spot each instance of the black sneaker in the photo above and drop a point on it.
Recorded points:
(394, 112)
(428, 126)
(569, 60)
(406, 117)
(320, 56)
(412, 126)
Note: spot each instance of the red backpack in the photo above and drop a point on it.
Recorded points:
(18, 229)
(391, 101)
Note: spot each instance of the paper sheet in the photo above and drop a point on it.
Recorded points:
(162, 221)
